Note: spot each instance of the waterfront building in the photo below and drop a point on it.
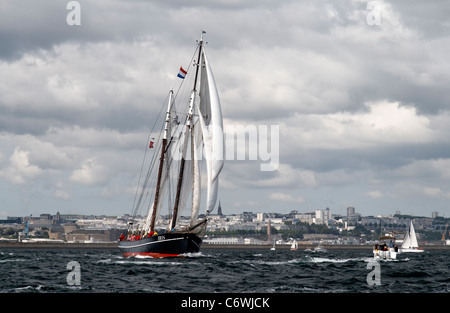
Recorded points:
(225, 241)
(350, 212)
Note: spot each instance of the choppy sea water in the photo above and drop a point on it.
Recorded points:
(221, 271)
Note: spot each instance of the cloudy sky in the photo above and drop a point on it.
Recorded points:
(359, 90)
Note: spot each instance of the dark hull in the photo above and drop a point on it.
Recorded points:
(164, 245)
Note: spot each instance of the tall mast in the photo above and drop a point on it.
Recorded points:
(161, 162)
(188, 126)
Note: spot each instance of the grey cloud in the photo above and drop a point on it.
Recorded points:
(311, 67)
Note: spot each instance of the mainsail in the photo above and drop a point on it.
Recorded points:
(210, 116)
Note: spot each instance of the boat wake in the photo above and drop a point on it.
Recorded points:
(323, 260)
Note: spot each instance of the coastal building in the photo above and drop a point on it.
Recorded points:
(350, 212)
(225, 241)
(11, 220)
(92, 236)
(306, 217)
(260, 216)
(322, 217)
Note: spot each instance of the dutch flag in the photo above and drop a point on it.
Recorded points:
(182, 73)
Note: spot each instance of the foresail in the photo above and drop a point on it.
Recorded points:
(165, 163)
(406, 241)
(153, 213)
(210, 117)
(412, 235)
(410, 240)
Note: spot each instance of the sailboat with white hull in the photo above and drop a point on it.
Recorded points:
(180, 147)
(410, 243)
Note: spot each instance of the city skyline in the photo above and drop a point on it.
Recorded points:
(349, 212)
(356, 93)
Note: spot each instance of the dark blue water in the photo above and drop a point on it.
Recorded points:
(220, 271)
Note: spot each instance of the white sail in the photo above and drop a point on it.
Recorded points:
(196, 178)
(406, 244)
(186, 186)
(412, 234)
(294, 245)
(169, 121)
(410, 240)
(210, 117)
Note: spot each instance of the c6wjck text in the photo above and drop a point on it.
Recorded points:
(229, 303)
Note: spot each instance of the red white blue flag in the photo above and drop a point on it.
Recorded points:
(182, 73)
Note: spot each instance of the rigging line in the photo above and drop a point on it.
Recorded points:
(146, 148)
(145, 154)
(136, 206)
(181, 84)
(144, 185)
(189, 66)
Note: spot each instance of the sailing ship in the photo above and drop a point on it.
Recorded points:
(410, 244)
(180, 146)
(445, 241)
(273, 247)
(294, 245)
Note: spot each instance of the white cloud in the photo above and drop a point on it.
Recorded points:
(287, 176)
(432, 168)
(384, 124)
(432, 191)
(284, 197)
(20, 171)
(375, 194)
(61, 194)
(92, 172)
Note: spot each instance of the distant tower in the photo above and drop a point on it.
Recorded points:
(269, 233)
(350, 212)
(56, 219)
(219, 210)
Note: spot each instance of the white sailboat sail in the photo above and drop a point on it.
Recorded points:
(294, 245)
(196, 177)
(210, 116)
(168, 125)
(410, 240)
(410, 243)
(406, 241)
(412, 235)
